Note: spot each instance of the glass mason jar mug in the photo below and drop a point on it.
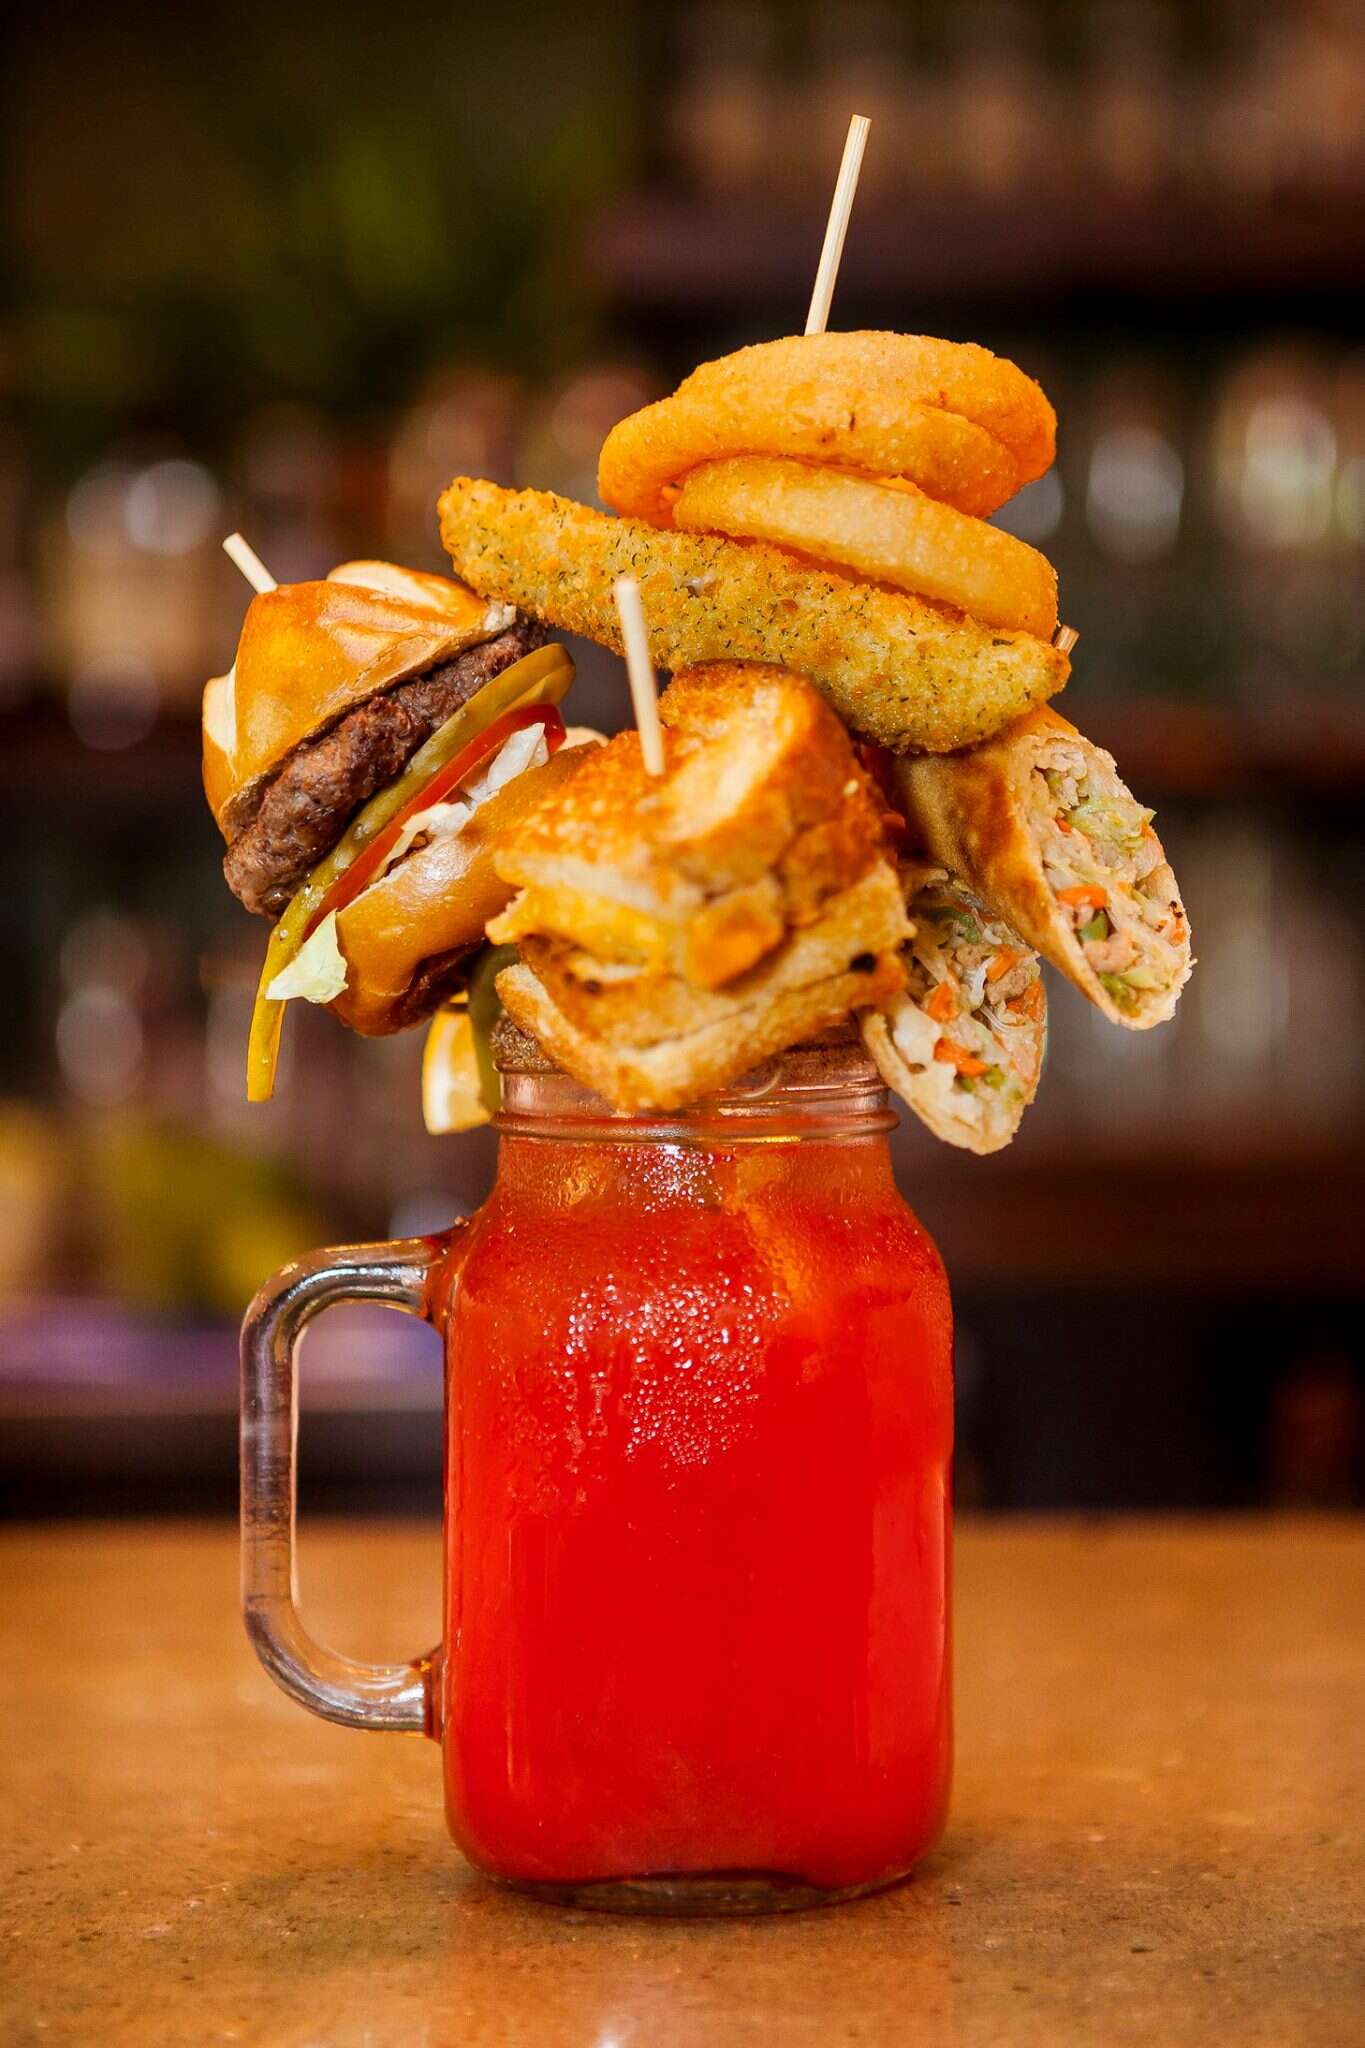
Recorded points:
(697, 1499)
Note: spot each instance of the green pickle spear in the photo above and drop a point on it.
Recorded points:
(484, 1007)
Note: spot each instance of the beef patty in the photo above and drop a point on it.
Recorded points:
(302, 813)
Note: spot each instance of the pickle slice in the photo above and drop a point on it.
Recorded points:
(485, 1005)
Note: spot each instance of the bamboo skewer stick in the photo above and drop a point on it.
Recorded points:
(841, 206)
(245, 558)
(631, 612)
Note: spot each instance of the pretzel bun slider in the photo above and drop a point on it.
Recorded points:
(377, 731)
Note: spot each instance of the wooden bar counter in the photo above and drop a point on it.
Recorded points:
(1158, 1833)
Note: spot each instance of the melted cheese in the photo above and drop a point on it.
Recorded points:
(613, 931)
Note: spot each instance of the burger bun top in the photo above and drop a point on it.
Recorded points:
(311, 652)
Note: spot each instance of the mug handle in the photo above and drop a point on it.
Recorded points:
(397, 1697)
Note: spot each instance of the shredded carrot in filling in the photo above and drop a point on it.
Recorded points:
(942, 1004)
(958, 1056)
(1029, 1002)
(1007, 957)
(1089, 893)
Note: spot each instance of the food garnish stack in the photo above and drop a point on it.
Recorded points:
(855, 808)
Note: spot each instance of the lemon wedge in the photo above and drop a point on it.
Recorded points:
(451, 1097)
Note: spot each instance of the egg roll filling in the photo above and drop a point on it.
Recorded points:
(972, 999)
(1105, 866)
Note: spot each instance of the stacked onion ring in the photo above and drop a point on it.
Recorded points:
(879, 454)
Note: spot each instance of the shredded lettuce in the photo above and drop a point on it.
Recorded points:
(317, 972)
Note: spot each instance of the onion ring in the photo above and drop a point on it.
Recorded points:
(966, 426)
(888, 531)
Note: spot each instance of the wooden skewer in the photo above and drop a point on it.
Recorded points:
(245, 557)
(640, 669)
(841, 206)
(1065, 638)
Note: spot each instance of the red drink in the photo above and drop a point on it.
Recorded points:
(698, 1509)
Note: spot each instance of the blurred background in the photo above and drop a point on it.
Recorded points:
(289, 270)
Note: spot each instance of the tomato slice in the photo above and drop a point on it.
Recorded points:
(458, 769)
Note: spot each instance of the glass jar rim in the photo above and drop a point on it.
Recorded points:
(825, 1091)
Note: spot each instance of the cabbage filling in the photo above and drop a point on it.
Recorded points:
(972, 1001)
(1104, 864)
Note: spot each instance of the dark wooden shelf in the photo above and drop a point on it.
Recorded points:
(1200, 1218)
(1200, 1223)
(40, 756)
(1305, 746)
(660, 251)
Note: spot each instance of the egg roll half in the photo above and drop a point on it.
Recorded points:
(1039, 824)
(963, 1045)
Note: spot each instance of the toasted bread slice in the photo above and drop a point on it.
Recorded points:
(684, 1069)
(640, 1008)
(761, 816)
(754, 760)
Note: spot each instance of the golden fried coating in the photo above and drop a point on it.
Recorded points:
(640, 1007)
(1042, 826)
(967, 426)
(884, 529)
(761, 817)
(909, 674)
(680, 1070)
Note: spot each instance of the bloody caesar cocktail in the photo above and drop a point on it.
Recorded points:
(698, 1504)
